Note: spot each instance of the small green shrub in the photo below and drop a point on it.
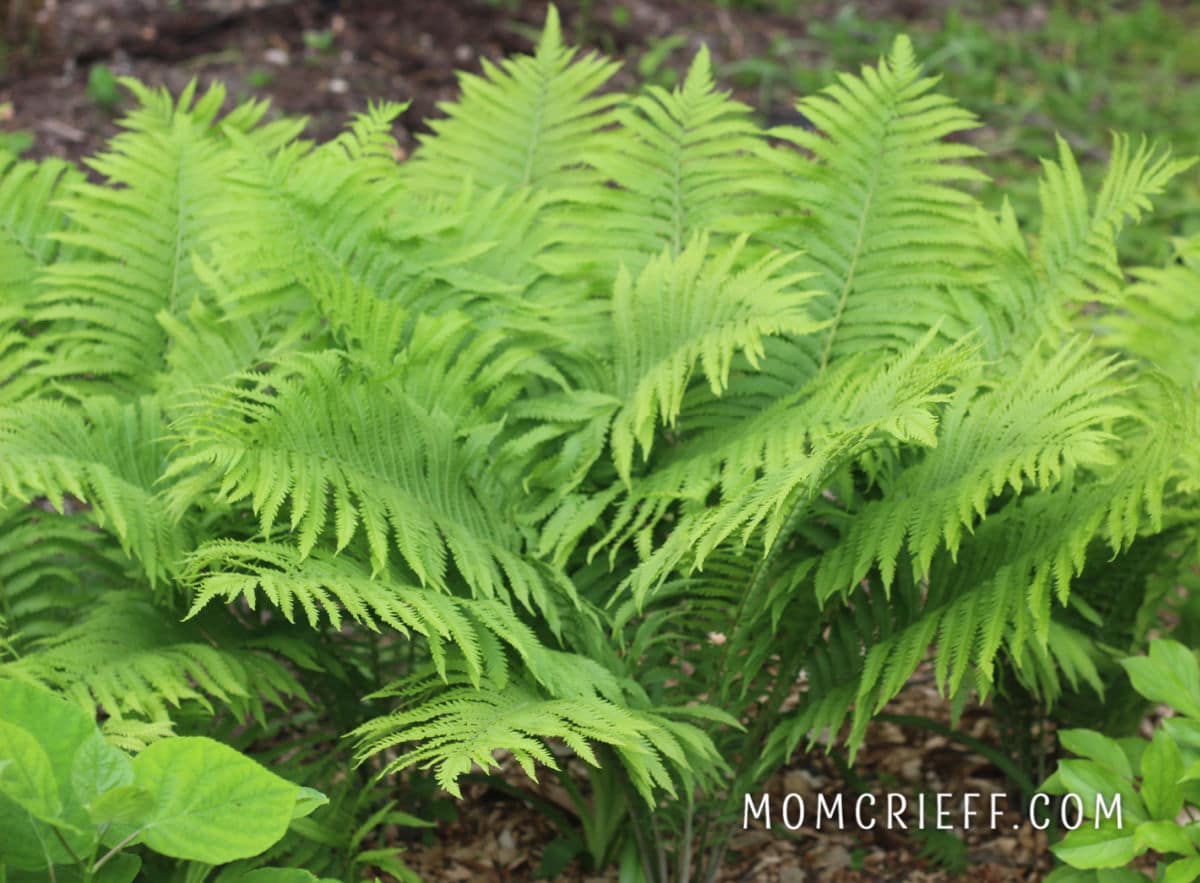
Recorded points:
(1154, 780)
(70, 798)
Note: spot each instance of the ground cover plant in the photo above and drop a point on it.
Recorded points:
(610, 427)
(1156, 779)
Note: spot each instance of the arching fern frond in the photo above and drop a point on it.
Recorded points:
(998, 594)
(760, 465)
(1159, 320)
(460, 727)
(50, 566)
(130, 658)
(689, 311)
(29, 216)
(1078, 249)
(336, 588)
(104, 453)
(348, 452)
(136, 240)
(681, 163)
(1028, 431)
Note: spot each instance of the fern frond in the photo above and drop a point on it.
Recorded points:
(691, 311)
(104, 453)
(1000, 594)
(681, 163)
(766, 466)
(1078, 243)
(1026, 431)
(50, 568)
(126, 656)
(1159, 320)
(460, 727)
(526, 122)
(136, 240)
(885, 232)
(323, 586)
(350, 453)
(29, 218)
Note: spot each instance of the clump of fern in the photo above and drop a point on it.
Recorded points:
(598, 423)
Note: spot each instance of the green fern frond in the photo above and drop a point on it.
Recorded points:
(766, 466)
(1078, 251)
(29, 218)
(681, 163)
(323, 586)
(132, 735)
(689, 311)
(126, 656)
(395, 470)
(885, 232)
(999, 594)
(135, 240)
(1025, 432)
(104, 453)
(50, 568)
(538, 115)
(461, 727)
(1159, 319)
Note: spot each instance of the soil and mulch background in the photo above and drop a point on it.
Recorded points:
(324, 60)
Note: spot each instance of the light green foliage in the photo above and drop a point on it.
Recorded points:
(594, 426)
(1160, 321)
(1155, 781)
(69, 797)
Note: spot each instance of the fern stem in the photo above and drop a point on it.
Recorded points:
(757, 580)
(764, 720)
(660, 851)
(685, 848)
(718, 856)
(844, 296)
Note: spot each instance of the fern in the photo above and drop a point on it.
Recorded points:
(678, 164)
(397, 470)
(125, 657)
(887, 231)
(536, 114)
(462, 727)
(611, 426)
(1160, 316)
(1078, 253)
(104, 452)
(134, 240)
(29, 219)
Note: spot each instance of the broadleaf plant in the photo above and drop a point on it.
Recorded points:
(608, 426)
(1148, 786)
(73, 803)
